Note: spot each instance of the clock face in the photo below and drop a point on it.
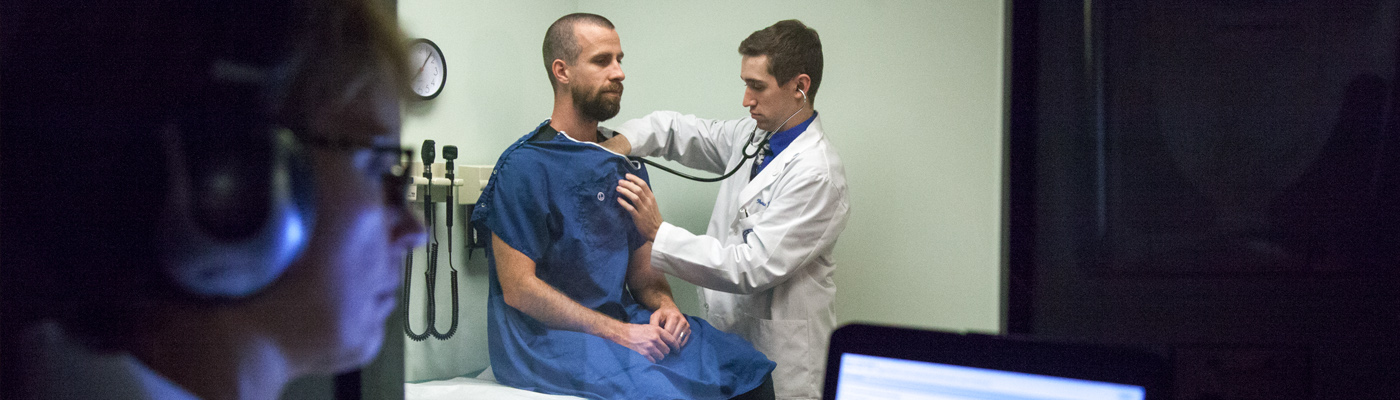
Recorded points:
(428, 68)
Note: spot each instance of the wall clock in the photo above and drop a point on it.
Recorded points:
(429, 68)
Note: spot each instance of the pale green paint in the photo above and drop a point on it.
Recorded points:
(912, 98)
(496, 91)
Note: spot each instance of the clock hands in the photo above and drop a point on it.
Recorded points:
(427, 82)
(425, 65)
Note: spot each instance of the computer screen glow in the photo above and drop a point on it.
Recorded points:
(864, 377)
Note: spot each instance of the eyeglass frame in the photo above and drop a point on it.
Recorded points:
(396, 182)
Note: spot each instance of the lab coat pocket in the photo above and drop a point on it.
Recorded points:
(748, 218)
(786, 343)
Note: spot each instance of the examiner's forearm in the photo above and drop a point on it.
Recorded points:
(800, 225)
(694, 142)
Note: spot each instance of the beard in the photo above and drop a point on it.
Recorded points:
(594, 105)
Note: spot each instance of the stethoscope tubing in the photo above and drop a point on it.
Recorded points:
(766, 136)
(747, 156)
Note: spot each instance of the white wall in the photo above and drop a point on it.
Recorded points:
(912, 97)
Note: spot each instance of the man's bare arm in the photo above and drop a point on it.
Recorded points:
(524, 291)
(650, 288)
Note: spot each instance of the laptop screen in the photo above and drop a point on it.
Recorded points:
(865, 377)
(868, 362)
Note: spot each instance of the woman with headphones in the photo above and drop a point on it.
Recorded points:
(223, 205)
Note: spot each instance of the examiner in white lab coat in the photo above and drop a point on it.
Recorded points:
(764, 265)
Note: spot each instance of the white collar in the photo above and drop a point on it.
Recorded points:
(605, 133)
(806, 140)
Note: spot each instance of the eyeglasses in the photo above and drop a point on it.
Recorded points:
(391, 161)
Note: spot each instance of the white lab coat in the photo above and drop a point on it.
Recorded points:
(764, 265)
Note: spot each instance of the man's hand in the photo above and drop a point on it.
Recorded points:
(618, 144)
(648, 340)
(642, 205)
(671, 319)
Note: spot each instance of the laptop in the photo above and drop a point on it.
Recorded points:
(868, 362)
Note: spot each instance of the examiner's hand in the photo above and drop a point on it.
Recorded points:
(648, 340)
(618, 144)
(671, 319)
(642, 205)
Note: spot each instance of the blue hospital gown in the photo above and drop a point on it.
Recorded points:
(554, 199)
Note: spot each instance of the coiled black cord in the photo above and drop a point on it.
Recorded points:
(408, 283)
(430, 280)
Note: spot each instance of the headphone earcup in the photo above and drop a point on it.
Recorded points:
(240, 205)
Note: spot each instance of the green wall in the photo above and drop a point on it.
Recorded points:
(912, 97)
(496, 91)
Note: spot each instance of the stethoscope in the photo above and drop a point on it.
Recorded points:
(761, 145)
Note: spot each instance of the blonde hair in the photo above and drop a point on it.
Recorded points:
(125, 72)
(345, 46)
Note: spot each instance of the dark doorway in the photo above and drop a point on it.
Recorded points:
(1216, 181)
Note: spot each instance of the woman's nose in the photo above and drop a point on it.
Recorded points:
(408, 231)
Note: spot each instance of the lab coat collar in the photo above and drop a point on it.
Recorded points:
(808, 139)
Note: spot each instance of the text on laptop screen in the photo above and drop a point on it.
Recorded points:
(864, 377)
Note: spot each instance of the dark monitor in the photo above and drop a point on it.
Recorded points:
(867, 362)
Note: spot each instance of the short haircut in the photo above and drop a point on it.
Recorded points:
(792, 49)
(560, 42)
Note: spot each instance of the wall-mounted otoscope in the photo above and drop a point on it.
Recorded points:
(449, 153)
(430, 276)
(429, 153)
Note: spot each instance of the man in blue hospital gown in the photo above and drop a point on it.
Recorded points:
(574, 306)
